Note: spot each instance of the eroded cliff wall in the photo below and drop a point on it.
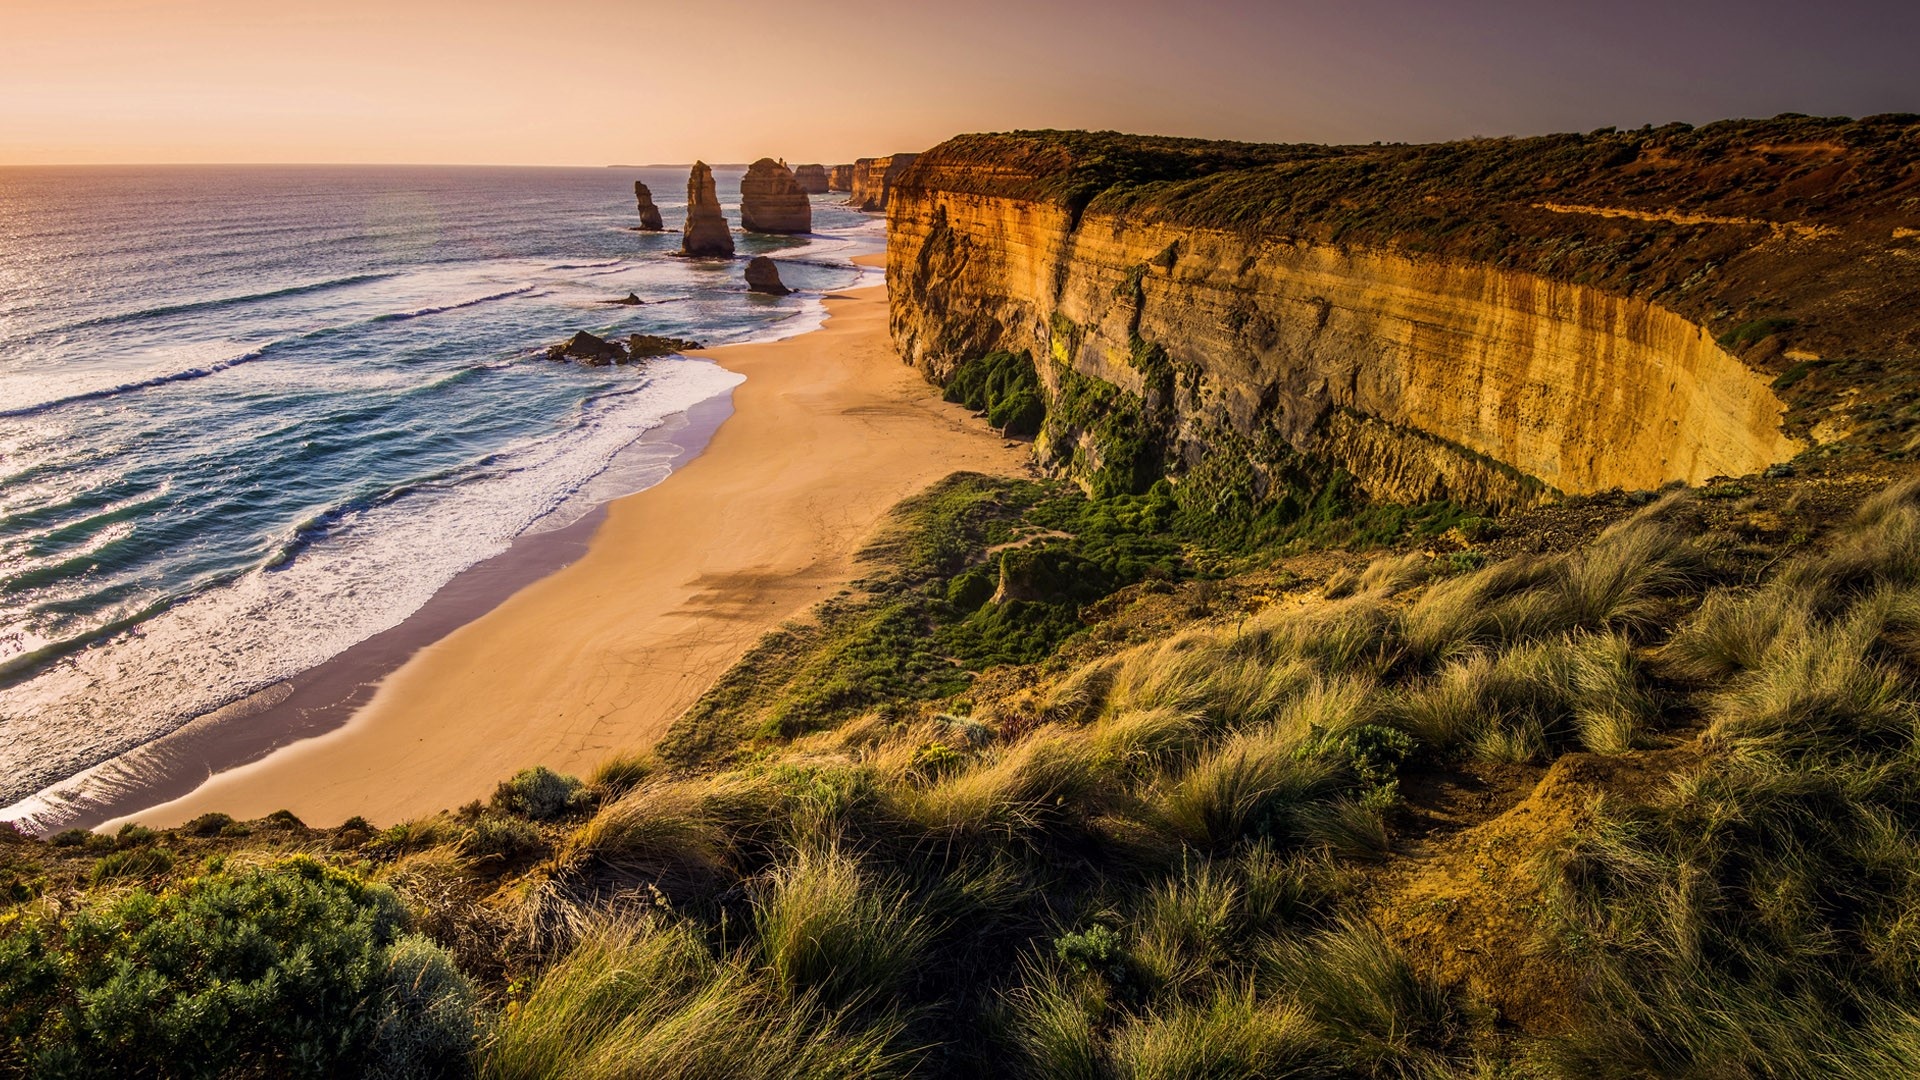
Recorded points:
(1424, 374)
(870, 180)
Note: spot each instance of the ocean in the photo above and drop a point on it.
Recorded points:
(251, 416)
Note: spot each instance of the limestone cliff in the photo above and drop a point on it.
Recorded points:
(649, 213)
(706, 231)
(771, 202)
(871, 179)
(1413, 316)
(840, 178)
(811, 178)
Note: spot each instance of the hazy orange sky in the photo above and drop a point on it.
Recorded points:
(593, 82)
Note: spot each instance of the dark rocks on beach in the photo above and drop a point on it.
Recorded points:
(649, 213)
(629, 300)
(706, 232)
(763, 276)
(599, 352)
(771, 201)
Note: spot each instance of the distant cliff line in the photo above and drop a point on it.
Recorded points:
(1492, 321)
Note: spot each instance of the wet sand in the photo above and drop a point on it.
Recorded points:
(829, 431)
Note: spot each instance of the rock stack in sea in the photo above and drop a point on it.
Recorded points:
(649, 213)
(872, 180)
(706, 231)
(811, 178)
(771, 202)
(763, 276)
(840, 178)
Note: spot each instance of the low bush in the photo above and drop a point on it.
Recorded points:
(541, 794)
(288, 970)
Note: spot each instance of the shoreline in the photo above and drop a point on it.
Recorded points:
(324, 697)
(603, 652)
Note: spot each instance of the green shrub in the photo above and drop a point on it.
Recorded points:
(1003, 385)
(500, 838)
(284, 971)
(541, 794)
(1096, 950)
(208, 824)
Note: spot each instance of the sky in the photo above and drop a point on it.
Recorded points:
(594, 82)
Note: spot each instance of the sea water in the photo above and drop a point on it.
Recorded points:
(250, 416)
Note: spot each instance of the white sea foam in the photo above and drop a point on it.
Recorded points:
(373, 569)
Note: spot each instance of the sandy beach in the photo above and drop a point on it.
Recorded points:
(829, 430)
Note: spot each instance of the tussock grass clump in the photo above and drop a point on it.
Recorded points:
(648, 998)
(1231, 1034)
(1533, 699)
(1367, 999)
(1255, 785)
(827, 928)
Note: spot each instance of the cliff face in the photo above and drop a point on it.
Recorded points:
(1424, 370)
(840, 178)
(811, 178)
(871, 179)
(771, 201)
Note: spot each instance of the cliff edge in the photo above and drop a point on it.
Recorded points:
(1492, 321)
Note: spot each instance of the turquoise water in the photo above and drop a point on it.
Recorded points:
(252, 416)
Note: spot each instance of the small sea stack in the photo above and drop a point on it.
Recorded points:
(811, 178)
(771, 202)
(840, 178)
(649, 213)
(763, 276)
(706, 232)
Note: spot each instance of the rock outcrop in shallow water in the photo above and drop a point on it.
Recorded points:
(706, 232)
(649, 213)
(771, 201)
(811, 178)
(840, 178)
(763, 276)
(1420, 318)
(595, 351)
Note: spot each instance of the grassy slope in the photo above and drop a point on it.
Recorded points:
(1643, 809)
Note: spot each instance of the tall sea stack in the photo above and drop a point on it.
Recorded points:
(840, 178)
(771, 202)
(649, 213)
(706, 232)
(811, 178)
